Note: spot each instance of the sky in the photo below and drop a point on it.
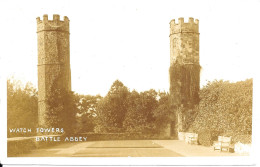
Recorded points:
(129, 40)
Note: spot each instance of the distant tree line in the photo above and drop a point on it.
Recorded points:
(223, 106)
(121, 110)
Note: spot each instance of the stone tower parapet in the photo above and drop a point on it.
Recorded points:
(53, 25)
(53, 60)
(184, 41)
(181, 26)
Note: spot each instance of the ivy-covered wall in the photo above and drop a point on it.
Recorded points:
(185, 84)
(184, 89)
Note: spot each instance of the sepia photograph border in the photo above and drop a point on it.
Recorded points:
(251, 160)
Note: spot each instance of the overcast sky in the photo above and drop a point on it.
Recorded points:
(129, 40)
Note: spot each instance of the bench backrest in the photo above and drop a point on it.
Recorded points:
(224, 139)
(188, 136)
(191, 135)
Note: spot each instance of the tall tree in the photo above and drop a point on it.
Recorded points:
(112, 108)
(135, 120)
(163, 114)
(139, 117)
(87, 114)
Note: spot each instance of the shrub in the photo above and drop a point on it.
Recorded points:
(205, 138)
(245, 139)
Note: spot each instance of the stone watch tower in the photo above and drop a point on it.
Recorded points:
(53, 59)
(184, 67)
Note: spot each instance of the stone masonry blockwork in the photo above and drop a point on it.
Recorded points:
(184, 41)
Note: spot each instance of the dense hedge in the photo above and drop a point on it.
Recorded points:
(124, 136)
(19, 147)
(207, 137)
(16, 147)
(225, 108)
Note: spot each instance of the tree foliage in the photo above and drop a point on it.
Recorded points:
(124, 111)
(119, 111)
(139, 116)
(62, 108)
(163, 114)
(225, 107)
(87, 113)
(22, 106)
(112, 108)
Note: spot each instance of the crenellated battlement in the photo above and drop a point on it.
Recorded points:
(52, 25)
(181, 27)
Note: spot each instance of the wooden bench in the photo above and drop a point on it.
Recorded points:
(192, 138)
(222, 143)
